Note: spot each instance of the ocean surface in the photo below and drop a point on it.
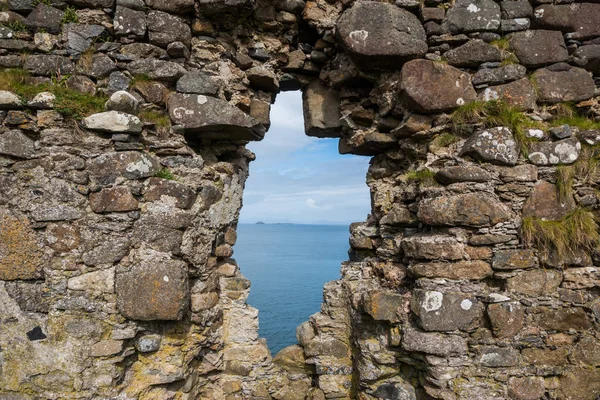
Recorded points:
(288, 265)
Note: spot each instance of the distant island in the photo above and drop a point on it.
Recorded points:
(260, 223)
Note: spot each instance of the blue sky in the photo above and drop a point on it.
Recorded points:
(299, 179)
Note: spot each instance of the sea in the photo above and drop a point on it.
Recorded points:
(288, 265)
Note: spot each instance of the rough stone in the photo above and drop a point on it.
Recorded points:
(148, 343)
(105, 168)
(164, 29)
(448, 311)
(563, 83)
(473, 54)
(113, 122)
(534, 282)
(519, 93)
(117, 199)
(130, 23)
(472, 270)
(513, 259)
(462, 173)
(20, 254)
(384, 305)
(434, 343)
(198, 82)
(97, 281)
(157, 69)
(432, 247)
(545, 203)
(553, 153)
(123, 102)
(473, 16)
(321, 111)
(526, 388)
(175, 7)
(262, 79)
(16, 144)
(211, 118)
(491, 356)
(588, 57)
(45, 17)
(154, 287)
(428, 87)
(502, 74)
(184, 195)
(9, 101)
(562, 319)
(292, 359)
(577, 19)
(538, 48)
(107, 252)
(468, 209)
(381, 35)
(495, 145)
(506, 318)
(80, 37)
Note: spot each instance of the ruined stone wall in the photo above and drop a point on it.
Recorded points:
(475, 276)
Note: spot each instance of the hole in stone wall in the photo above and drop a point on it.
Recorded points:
(293, 234)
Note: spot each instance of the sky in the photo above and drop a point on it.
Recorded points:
(300, 179)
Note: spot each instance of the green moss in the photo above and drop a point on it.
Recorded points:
(139, 78)
(165, 174)
(70, 16)
(425, 177)
(68, 102)
(574, 233)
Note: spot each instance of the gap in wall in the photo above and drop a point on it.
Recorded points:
(306, 194)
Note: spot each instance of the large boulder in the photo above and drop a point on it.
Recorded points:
(321, 106)
(579, 20)
(473, 16)
(212, 118)
(495, 145)
(469, 209)
(45, 17)
(381, 35)
(537, 48)
(154, 287)
(429, 87)
(561, 82)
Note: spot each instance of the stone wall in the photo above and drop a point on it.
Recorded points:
(475, 276)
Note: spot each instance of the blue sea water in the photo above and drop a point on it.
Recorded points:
(288, 265)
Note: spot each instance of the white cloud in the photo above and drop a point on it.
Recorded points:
(300, 179)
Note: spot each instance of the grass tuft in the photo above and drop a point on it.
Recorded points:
(565, 175)
(15, 26)
(68, 102)
(503, 43)
(70, 16)
(160, 119)
(497, 113)
(568, 236)
(165, 174)
(425, 177)
(443, 140)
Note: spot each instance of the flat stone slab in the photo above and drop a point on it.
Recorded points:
(154, 287)
(561, 83)
(469, 209)
(113, 122)
(438, 311)
(537, 48)
(381, 35)
(205, 117)
(473, 16)
(495, 145)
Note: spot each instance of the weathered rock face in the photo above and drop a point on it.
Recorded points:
(120, 194)
(381, 35)
(213, 118)
(427, 86)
